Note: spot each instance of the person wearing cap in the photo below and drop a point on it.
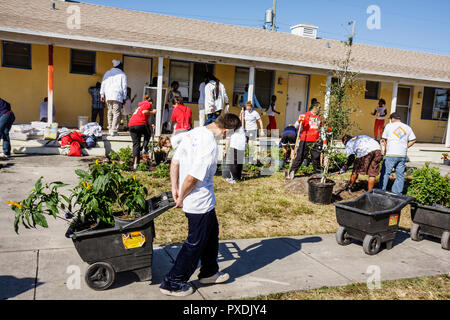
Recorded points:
(114, 91)
(365, 154)
(397, 138)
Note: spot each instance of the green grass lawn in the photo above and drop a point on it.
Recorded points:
(258, 207)
(423, 288)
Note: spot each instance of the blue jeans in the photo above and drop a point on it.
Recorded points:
(202, 244)
(211, 117)
(397, 163)
(6, 121)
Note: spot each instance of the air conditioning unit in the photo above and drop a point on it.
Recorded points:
(305, 30)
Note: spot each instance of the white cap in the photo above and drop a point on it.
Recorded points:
(115, 63)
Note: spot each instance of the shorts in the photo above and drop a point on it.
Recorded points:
(369, 164)
(288, 139)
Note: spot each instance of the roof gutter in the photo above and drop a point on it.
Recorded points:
(211, 53)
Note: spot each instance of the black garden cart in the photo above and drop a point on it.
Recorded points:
(128, 246)
(373, 218)
(431, 220)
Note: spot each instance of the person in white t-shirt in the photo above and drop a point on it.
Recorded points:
(249, 117)
(367, 152)
(191, 172)
(380, 113)
(397, 138)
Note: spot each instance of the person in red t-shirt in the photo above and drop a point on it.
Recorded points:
(182, 116)
(311, 123)
(138, 126)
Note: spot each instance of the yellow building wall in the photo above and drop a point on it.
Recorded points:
(26, 89)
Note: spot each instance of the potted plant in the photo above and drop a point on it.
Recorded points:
(339, 105)
(446, 159)
(431, 210)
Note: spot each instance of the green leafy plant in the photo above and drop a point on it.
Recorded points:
(162, 171)
(429, 187)
(101, 194)
(124, 156)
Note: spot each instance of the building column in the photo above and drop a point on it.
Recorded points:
(251, 84)
(394, 97)
(447, 137)
(159, 97)
(50, 85)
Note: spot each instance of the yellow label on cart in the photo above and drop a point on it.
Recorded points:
(393, 220)
(133, 240)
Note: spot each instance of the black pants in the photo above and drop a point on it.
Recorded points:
(304, 148)
(235, 159)
(98, 112)
(202, 244)
(136, 133)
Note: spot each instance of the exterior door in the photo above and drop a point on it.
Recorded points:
(139, 72)
(296, 97)
(404, 103)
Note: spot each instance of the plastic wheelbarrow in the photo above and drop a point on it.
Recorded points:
(373, 218)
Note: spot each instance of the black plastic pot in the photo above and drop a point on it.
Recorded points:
(160, 157)
(128, 246)
(373, 218)
(447, 162)
(431, 220)
(320, 193)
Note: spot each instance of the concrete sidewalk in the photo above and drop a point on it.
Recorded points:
(43, 264)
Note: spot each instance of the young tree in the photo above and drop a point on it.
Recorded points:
(340, 103)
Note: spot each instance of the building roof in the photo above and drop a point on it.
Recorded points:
(100, 23)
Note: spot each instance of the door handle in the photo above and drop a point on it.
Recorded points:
(299, 106)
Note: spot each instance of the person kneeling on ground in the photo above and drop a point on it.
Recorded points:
(191, 173)
(368, 157)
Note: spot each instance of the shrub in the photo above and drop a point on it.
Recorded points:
(162, 171)
(124, 155)
(429, 187)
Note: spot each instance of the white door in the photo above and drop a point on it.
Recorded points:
(139, 72)
(296, 97)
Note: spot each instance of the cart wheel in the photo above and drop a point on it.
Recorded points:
(445, 240)
(415, 232)
(100, 276)
(371, 244)
(342, 237)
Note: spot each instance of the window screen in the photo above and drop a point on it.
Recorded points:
(82, 61)
(16, 55)
(372, 90)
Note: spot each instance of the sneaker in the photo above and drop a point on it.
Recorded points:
(3, 156)
(135, 166)
(289, 175)
(219, 277)
(185, 290)
(230, 180)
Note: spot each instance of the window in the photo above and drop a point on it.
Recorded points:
(82, 61)
(435, 104)
(16, 55)
(189, 75)
(372, 90)
(263, 85)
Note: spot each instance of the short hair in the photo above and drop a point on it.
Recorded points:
(228, 121)
(313, 101)
(178, 100)
(346, 138)
(382, 101)
(148, 98)
(249, 103)
(395, 115)
(174, 83)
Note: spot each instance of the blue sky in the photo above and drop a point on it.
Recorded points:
(405, 24)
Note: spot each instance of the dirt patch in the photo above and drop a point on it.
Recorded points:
(300, 186)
